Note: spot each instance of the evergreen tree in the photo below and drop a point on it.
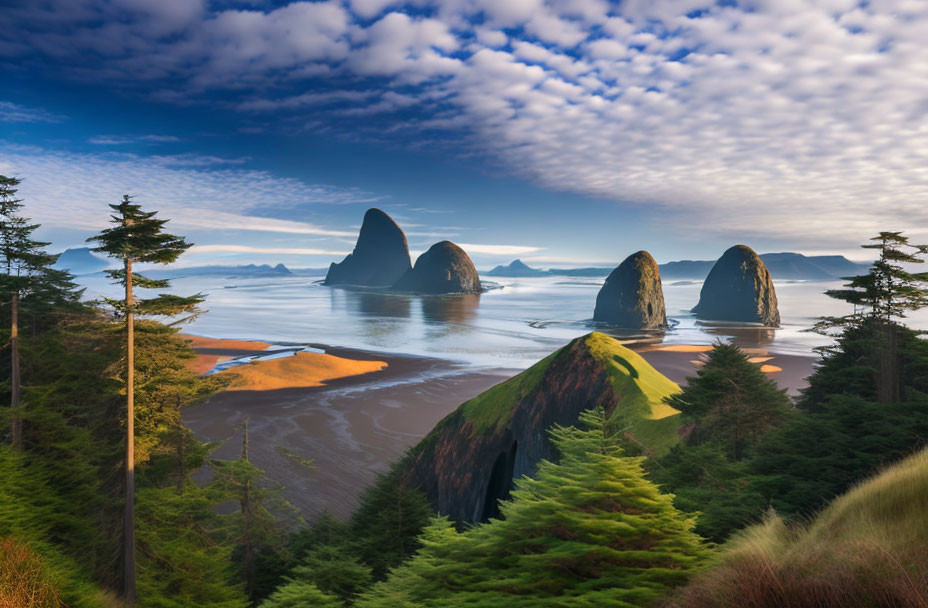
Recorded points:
(730, 402)
(881, 298)
(386, 526)
(259, 529)
(182, 560)
(27, 274)
(299, 592)
(137, 236)
(589, 531)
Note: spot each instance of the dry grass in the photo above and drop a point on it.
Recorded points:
(297, 371)
(24, 578)
(869, 549)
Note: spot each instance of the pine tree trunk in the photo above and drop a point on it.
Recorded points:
(129, 516)
(888, 389)
(16, 431)
(249, 550)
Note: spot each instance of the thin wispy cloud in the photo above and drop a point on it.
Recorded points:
(123, 140)
(498, 249)
(14, 112)
(204, 249)
(72, 190)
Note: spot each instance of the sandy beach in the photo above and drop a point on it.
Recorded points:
(352, 425)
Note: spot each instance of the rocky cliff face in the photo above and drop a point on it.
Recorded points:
(632, 296)
(380, 257)
(739, 288)
(467, 463)
(444, 268)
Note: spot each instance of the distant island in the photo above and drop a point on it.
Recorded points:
(782, 266)
(80, 260)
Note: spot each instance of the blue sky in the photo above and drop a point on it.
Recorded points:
(563, 132)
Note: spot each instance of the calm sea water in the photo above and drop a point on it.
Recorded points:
(509, 327)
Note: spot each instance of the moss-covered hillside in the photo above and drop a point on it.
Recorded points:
(466, 464)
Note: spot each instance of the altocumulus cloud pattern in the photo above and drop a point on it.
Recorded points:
(773, 117)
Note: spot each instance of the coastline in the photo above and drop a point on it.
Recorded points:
(352, 427)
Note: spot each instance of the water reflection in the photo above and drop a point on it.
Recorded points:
(380, 304)
(741, 335)
(460, 308)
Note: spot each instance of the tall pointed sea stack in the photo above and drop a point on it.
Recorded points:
(739, 288)
(380, 257)
(444, 268)
(632, 297)
(468, 461)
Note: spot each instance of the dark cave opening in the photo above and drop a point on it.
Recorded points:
(500, 484)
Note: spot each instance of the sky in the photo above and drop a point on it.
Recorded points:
(561, 132)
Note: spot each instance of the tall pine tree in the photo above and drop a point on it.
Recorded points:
(27, 274)
(138, 236)
(881, 298)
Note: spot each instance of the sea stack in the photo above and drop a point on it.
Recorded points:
(739, 288)
(380, 257)
(444, 268)
(632, 297)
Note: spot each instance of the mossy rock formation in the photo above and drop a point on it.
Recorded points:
(739, 288)
(467, 463)
(632, 296)
(444, 268)
(380, 257)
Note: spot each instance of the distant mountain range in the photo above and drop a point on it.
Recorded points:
(247, 270)
(783, 266)
(81, 260)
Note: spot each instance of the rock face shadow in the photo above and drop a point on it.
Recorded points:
(500, 484)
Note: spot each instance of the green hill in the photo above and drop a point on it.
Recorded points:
(467, 463)
(869, 548)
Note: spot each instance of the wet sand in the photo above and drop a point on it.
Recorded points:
(353, 427)
(677, 362)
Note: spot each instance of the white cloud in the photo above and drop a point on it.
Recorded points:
(68, 190)
(498, 249)
(202, 249)
(123, 140)
(14, 112)
(801, 119)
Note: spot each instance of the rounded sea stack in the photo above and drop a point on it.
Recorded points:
(632, 297)
(444, 268)
(739, 288)
(380, 257)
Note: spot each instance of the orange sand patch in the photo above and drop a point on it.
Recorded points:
(685, 348)
(298, 371)
(770, 369)
(202, 342)
(759, 359)
(204, 363)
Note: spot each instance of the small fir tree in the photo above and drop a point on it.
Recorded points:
(588, 531)
(258, 531)
(731, 402)
(138, 236)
